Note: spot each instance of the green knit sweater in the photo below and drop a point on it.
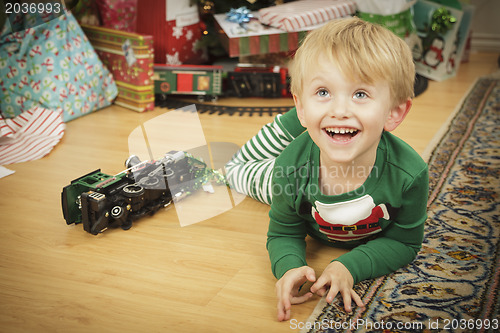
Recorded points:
(382, 221)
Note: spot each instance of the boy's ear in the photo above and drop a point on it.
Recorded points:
(300, 110)
(397, 115)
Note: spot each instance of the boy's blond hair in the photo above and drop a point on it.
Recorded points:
(363, 51)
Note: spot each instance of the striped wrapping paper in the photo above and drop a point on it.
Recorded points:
(29, 136)
(298, 15)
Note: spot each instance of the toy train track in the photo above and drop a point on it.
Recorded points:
(176, 103)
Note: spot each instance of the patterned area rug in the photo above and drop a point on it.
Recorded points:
(452, 285)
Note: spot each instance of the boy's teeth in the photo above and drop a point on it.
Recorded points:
(341, 130)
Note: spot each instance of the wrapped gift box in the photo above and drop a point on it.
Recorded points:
(118, 14)
(297, 15)
(51, 65)
(130, 58)
(441, 52)
(255, 38)
(396, 16)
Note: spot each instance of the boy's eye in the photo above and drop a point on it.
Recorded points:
(322, 93)
(360, 95)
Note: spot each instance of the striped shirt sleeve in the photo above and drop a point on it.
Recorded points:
(250, 169)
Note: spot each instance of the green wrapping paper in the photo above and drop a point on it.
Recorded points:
(401, 23)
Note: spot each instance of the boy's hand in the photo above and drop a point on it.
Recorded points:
(339, 279)
(287, 289)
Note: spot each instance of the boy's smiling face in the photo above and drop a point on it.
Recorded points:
(345, 117)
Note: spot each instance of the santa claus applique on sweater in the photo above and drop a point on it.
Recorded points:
(350, 220)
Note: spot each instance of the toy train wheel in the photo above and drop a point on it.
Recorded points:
(133, 190)
(204, 98)
(117, 212)
(161, 97)
(149, 182)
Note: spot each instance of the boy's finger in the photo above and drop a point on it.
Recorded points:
(284, 308)
(334, 290)
(357, 299)
(321, 292)
(284, 302)
(310, 274)
(283, 314)
(346, 297)
(319, 284)
(301, 299)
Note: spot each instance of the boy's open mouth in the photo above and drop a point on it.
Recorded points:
(341, 133)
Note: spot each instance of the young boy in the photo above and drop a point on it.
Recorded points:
(346, 181)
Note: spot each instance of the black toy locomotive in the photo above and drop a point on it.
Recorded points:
(99, 200)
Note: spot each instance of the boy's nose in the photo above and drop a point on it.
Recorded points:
(339, 108)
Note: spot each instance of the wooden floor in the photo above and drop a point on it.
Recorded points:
(212, 276)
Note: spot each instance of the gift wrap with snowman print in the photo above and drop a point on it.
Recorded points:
(48, 62)
(443, 32)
